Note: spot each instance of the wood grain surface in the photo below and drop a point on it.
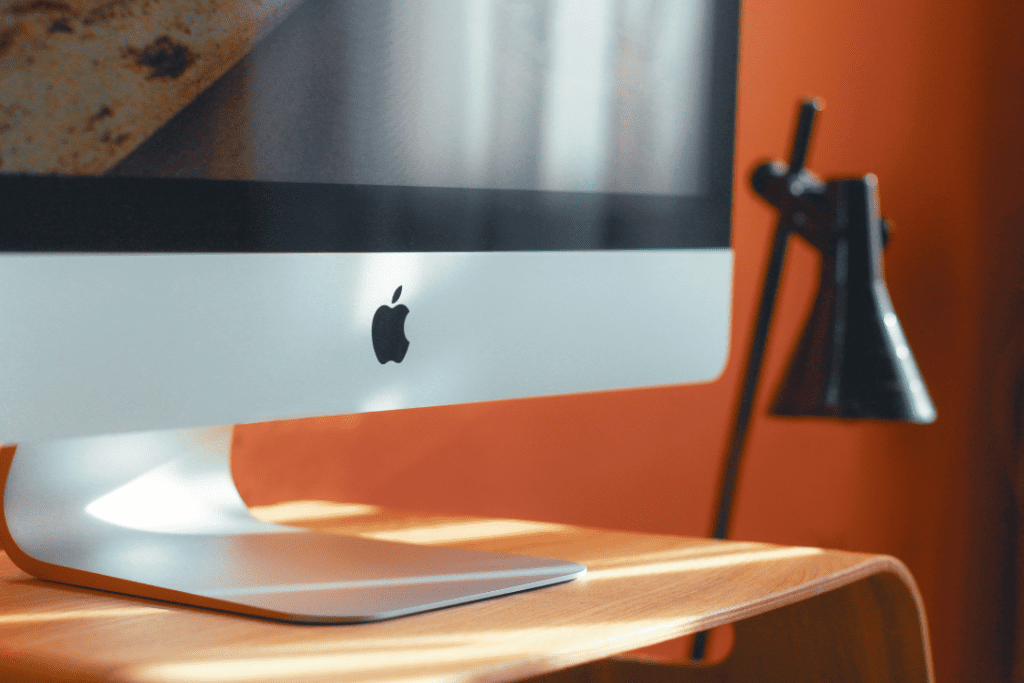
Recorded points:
(641, 589)
(84, 82)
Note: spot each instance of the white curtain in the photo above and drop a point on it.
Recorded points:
(575, 95)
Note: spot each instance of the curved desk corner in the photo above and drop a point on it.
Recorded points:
(871, 630)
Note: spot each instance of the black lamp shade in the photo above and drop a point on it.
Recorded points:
(853, 360)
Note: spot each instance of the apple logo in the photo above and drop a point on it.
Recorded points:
(388, 331)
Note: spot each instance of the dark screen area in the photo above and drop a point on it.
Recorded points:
(131, 209)
(192, 215)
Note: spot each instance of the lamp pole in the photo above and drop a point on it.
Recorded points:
(797, 177)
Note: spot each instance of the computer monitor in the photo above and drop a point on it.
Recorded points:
(382, 205)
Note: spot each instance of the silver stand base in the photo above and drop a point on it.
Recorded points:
(156, 515)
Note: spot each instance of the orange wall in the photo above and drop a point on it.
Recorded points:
(928, 95)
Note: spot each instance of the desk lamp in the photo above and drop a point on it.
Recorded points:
(853, 360)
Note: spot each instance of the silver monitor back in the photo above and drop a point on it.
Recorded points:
(99, 344)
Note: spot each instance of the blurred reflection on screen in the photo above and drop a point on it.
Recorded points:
(560, 95)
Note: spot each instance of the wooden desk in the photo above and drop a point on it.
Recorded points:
(801, 614)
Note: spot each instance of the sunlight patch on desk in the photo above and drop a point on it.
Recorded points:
(701, 563)
(367, 656)
(702, 550)
(110, 613)
(307, 510)
(466, 531)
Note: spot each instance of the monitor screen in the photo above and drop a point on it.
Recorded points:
(547, 183)
(382, 126)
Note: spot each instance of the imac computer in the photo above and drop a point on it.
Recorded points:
(262, 211)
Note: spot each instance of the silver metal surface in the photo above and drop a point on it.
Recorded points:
(156, 514)
(102, 344)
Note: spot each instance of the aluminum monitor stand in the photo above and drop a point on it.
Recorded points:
(157, 515)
